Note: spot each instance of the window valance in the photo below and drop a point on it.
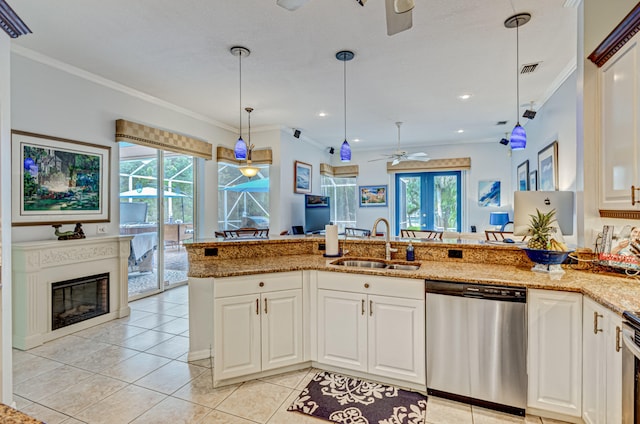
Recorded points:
(143, 135)
(339, 171)
(258, 156)
(450, 164)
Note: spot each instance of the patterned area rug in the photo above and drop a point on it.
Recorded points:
(341, 399)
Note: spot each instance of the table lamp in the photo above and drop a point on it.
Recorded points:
(499, 219)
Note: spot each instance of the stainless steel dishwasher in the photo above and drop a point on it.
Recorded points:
(477, 344)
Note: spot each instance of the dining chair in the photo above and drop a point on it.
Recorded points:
(422, 234)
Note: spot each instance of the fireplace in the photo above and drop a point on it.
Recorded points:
(79, 299)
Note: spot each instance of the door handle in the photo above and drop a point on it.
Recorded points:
(633, 195)
(265, 305)
(618, 337)
(362, 306)
(595, 322)
(257, 306)
(371, 308)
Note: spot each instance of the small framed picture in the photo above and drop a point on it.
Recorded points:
(548, 167)
(373, 195)
(489, 193)
(533, 180)
(523, 176)
(302, 178)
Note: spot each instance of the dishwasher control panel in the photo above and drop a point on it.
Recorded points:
(480, 291)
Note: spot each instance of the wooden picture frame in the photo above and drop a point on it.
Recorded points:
(533, 180)
(523, 176)
(58, 181)
(302, 177)
(373, 195)
(548, 167)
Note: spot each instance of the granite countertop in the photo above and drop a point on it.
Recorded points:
(9, 415)
(614, 291)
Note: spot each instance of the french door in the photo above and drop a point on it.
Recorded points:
(428, 201)
(157, 210)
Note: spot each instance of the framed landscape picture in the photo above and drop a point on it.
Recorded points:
(548, 167)
(373, 195)
(302, 177)
(533, 180)
(523, 176)
(58, 181)
(489, 193)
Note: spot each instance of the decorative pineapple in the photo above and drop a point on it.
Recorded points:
(540, 229)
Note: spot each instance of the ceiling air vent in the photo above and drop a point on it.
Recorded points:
(529, 68)
(502, 123)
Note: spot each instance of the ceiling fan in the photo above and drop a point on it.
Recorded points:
(402, 155)
(399, 15)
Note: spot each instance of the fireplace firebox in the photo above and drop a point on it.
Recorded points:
(80, 299)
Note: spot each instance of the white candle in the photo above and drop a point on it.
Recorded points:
(331, 240)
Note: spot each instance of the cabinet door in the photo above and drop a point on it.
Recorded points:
(594, 343)
(555, 351)
(237, 336)
(396, 338)
(281, 328)
(613, 352)
(342, 329)
(619, 142)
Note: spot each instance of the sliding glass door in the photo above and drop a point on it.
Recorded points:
(428, 201)
(157, 210)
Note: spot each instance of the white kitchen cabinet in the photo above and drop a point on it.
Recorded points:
(620, 137)
(555, 351)
(372, 324)
(602, 365)
(258, 331)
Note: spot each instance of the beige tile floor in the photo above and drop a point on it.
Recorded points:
(134, 370)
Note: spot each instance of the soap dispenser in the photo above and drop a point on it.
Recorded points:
(410, 253)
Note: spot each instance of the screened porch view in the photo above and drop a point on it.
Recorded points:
(242, 202)
(159, 216)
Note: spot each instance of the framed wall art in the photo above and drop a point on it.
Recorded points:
(375, 195)
(302, 177)
(548, 167)
(533, 180)
(58, 181)
(489, 193)
(523, 176)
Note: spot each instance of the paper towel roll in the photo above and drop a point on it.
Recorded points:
(331, 240)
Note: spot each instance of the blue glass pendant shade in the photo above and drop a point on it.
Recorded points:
(518, 138)
(345, 152)
(241, 149)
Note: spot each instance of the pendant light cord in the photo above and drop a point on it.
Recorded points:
(240, 108)
(517, 71)
(345, 99)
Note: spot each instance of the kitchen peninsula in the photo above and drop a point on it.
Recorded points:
(258, 307)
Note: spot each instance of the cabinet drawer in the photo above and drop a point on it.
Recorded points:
(371, 284)
(249, 284)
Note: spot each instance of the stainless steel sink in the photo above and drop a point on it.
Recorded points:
(368, 263)
(403, 267)
(360, 263)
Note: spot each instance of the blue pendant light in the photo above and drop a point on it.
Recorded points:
(518, 135)
(240, 149)
(345, 149)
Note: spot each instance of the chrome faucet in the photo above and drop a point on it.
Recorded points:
(387, 247)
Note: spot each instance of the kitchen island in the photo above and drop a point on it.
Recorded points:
(262, 307)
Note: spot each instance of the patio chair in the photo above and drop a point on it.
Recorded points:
(422, 234)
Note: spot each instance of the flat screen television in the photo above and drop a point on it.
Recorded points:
(317, 213)
(525, 203)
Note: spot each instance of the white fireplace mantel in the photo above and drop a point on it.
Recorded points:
(38, 264)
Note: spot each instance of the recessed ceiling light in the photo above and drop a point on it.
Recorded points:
(460, 131)
(322, 114)
(464, 96)
(356, 140)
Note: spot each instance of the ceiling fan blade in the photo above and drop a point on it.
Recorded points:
(375, 160)
(395, 162)
(291, 5)
(421, 157)
(403, 6)
(397, 22)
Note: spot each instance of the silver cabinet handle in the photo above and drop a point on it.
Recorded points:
(362, 306)
(371, 308)
(265, 305)
(595, 322)
(633, 195)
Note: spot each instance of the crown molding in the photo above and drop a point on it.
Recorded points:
(70, 69)
(621, 34)
(10, 22)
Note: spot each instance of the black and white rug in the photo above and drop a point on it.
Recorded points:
(342, 399)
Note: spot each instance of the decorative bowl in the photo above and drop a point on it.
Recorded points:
(546, 257)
